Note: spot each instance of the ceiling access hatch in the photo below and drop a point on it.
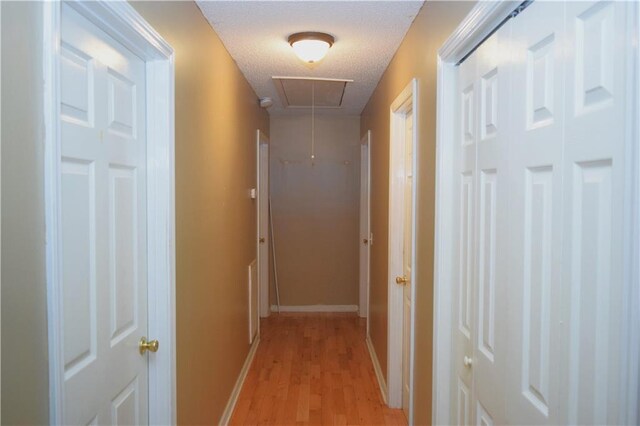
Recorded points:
(302, 92)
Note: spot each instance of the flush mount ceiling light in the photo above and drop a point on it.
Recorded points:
(311, 47)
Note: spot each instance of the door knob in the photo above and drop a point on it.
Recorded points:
(365, 241)
(261, 239)
(467, 362)
(151, 345)
(402, 280)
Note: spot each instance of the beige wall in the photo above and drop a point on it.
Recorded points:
(25, 384)
(217, 115)
(316, 208)
(216, 119)
(416, 57)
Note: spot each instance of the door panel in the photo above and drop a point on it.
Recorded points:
(535, 221)
(492, 205)
(594, 182)
(464, 240)
(103, 226)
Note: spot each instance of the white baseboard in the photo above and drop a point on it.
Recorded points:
(233, 399)
(316, 308)
(377, 369)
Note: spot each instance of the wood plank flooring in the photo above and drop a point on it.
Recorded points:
(313, 369)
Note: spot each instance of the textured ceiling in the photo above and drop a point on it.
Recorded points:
(367, 35)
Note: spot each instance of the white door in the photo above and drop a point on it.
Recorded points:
(540, 161)
(365, 233)
(491, 205)
(596, 202)
(103, 229)
(407, 256)
(263, 223)
(538, 123)
(464, 242)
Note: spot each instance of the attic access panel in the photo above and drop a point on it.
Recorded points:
(299, 92)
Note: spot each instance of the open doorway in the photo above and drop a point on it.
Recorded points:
(365, 225)
(263, 237)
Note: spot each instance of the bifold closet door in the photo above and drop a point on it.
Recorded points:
(481, 297)
(540, 173)
(597, 113)
(492, 205)
(535, 210)
(463, 308)
(566, 227)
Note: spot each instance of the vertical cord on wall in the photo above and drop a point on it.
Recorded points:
(273, 254)
(313, 122)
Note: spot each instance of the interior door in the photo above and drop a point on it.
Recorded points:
(596, 184)
(263, 223)
(539, 303)
(464, 243)
(488, 357)
(103, 229)
(535, 211)
(407, 259)
(365, 237)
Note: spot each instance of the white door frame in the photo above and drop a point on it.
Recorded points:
(406, 101)
(478, 24)
(263, 287)
(365, 246)
(119, 20)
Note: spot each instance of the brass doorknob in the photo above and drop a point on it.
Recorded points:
(262, 240)
(151, 345)
(402, 280)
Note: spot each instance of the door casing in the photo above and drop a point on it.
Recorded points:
(120, 21)
(479, 24)
(406, 101)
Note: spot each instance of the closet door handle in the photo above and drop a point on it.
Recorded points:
(468, 362)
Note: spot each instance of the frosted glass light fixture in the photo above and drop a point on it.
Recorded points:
(311, 47)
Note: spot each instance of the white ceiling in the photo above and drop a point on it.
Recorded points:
(367, 35)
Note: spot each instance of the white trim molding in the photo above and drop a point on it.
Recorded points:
(476, 26)
(316, 308)
(406, 101)
(377, 369)
(237, 388)
(120, 21)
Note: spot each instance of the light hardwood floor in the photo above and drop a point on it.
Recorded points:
(313, 369)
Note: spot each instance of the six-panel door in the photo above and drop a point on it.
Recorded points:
(103, 226)
(540, 168)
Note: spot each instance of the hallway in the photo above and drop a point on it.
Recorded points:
(315, 212)
(313, 369)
